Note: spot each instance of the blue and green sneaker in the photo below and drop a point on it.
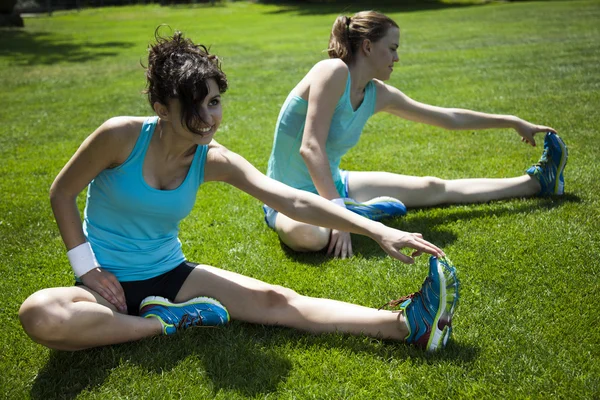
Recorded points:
(549, 169)
(377, 208)
(429, 311)
(199, 311)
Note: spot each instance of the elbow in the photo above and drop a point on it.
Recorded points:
(305, 152)
(53, 193)
(459, 119)
(297, 205)
(308, 151)
(58, 196)
(452, 122)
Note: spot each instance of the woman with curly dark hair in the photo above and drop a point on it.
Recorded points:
(143, 175)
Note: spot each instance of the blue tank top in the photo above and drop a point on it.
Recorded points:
(287, 165)
(133, 227)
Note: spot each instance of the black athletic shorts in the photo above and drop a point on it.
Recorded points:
(165, 285)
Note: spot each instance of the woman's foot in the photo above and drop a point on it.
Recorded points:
(549, 169)
(200, 311)
(428, 312)
(377, 208)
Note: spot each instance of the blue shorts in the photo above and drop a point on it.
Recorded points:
(271, 214)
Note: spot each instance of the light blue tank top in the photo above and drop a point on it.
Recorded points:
(133, 227)
(287, 165)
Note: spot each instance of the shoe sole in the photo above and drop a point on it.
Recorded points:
(166, 302)
(447, 305)
(564, 156)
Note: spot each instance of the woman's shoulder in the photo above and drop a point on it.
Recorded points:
(118, 134)
(332, 74)
(331, 67)
(220, 162)
(120, 129)
(217, 153)
(122, 126)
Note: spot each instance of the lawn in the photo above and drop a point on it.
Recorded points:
(527, 322)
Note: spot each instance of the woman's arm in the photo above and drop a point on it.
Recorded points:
(226, 166)
(392, 100)
(327, 84)
(104, 148)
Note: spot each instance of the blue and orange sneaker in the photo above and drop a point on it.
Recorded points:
(429, 311)
(549, 169)
(200, 311)
(377, 208)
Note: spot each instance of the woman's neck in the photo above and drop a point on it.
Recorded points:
(360, 75)
(170, 144)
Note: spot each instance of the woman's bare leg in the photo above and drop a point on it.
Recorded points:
(254, 301)
(300, 236)
(413, 192)
(429, 191)
(75, 318)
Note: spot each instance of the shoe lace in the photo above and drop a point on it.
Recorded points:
(397, 302)
(544, 158)
(187, 321)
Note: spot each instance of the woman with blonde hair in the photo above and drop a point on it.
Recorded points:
(323, 118)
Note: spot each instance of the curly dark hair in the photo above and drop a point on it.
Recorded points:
(179, 69)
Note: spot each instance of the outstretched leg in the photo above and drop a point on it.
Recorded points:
(544, 178)
(254, 301)
(430, 191)
(77, 318)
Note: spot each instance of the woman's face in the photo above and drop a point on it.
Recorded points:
(385, 53)
(210, 111)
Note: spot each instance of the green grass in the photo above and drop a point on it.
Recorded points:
(527, 323)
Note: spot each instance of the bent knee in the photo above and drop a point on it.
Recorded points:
(42, 316)
(304, 237)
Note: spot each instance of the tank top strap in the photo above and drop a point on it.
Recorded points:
(346, 94)
(198, 166)
(370, 97)
(141, 146)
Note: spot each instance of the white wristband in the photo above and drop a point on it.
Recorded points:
(338, 202)
(82, 259)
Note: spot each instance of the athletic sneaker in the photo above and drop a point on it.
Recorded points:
(200, 311)
(377, 208)
(549, 170)
(429, 311)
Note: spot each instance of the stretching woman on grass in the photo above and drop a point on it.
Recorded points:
(323, 117)
(143, 175)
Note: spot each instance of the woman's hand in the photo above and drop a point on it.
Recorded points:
(107, 286)
(393, 241)
(340, 244)
(527, 131)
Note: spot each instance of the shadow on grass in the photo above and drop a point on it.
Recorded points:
(442, 215)
(243, 358)
(431, 224)
(352, 6)
(42, 48)
(231, 358)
